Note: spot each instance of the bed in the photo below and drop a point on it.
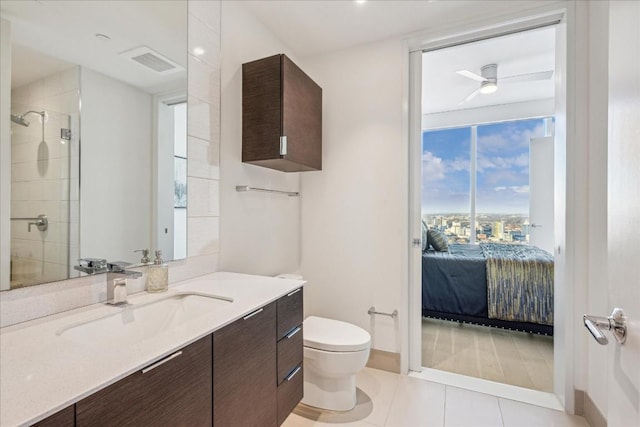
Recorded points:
(509, 286)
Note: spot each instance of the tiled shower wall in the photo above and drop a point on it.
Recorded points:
(203, 124)
(44, 179)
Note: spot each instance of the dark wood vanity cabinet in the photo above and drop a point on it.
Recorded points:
(244, 380)
(281, 116)
(176, 390)
(248, 373)
(290, 353)
(257, 365)
(63, 418)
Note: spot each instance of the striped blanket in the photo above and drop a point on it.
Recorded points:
(519, 283)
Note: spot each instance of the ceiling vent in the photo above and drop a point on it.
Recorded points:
(152, 60)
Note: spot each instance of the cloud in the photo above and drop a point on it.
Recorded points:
(503, 176)
(433, 167)
(458, 164)
(510, 138)
(513, 188)
(484, 162)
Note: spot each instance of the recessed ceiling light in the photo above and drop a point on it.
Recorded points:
(103, 37)
(361, 1)
(198, 51)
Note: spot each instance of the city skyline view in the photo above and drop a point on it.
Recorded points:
(502, 168)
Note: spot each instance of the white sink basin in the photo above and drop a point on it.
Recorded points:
(135, 323)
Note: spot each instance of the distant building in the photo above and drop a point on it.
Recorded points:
(498, 229)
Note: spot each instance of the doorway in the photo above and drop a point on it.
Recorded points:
(467, 111)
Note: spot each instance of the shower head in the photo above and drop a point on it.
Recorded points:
(19, 120)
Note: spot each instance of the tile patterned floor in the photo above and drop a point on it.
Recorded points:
(509, 357)
(391, 400)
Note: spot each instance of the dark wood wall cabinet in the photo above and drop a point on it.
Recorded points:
(281, 116)
(248, 373)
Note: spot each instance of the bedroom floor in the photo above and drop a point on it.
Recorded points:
(509, 357)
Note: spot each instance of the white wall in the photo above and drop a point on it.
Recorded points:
(116, 149)
(259, 232)
(352, 211)
(5, 152)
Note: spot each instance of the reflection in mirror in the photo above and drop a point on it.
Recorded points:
(97, 126)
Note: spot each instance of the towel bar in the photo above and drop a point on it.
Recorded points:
(372, 310)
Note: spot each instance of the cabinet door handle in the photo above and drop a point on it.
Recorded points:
(293, 374)
(294, 292)
(292, 333)
(161, 362)
(253, 314)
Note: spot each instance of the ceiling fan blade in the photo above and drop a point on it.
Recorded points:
(468, 74)
(531, 77)
(470, 96)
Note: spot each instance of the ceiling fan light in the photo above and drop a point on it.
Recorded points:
(488, 87)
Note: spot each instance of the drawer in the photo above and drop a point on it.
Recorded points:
(289, 312)
(290, 353)
(290, 393)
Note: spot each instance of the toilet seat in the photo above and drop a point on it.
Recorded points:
(334, 335)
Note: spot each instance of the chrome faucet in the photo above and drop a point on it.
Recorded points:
(117, 275)
(92, 265)
(116, 291)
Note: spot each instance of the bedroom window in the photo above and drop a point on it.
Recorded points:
(481, 173)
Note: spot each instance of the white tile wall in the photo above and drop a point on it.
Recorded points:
(41, 178)
(203, 172)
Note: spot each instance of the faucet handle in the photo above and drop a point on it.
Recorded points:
(145, 256)
(118, 266)
(96, 263)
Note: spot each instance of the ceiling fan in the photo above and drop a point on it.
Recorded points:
(488, 79)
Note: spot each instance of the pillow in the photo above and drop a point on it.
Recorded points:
(437, 240)
(425, 245)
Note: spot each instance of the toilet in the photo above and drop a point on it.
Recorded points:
(334, 352)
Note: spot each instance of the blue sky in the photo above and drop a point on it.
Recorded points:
(502, 168)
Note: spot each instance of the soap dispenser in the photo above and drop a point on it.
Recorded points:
(158, 277)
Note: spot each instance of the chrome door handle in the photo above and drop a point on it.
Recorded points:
(616, 323)
(536, 225)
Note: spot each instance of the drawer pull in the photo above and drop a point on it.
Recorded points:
(293, 374)
(294, 292)
(253, 314)
(292, 333)
(161, 362)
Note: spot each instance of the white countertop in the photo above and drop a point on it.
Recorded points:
(42, 373)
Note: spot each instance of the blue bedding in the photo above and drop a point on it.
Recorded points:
(455, 286)
(455, 282)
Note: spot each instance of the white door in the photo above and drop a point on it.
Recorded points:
(541, 193)
(624, 209)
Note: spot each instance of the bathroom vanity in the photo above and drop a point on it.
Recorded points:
(239, 363)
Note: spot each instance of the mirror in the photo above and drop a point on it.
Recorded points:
(97, 134)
